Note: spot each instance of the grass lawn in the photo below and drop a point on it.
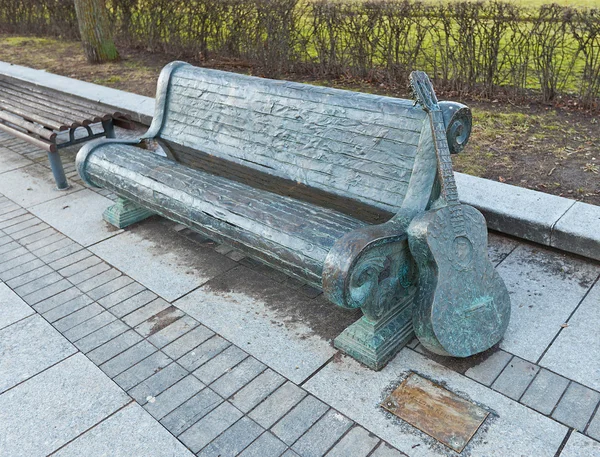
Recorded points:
(535, 146)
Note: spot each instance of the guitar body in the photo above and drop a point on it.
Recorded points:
(462, 306)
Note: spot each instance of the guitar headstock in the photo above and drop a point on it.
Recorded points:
(423, 90)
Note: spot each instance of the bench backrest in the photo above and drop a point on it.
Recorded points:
(349, 144)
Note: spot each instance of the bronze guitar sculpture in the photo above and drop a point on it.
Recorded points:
(462, 305)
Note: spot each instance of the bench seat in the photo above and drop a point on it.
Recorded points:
(298, 234)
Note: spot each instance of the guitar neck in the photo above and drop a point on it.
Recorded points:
(446, 175)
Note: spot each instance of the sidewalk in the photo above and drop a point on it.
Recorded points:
(154, 341)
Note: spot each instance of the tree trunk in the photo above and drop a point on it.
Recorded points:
(95, 30)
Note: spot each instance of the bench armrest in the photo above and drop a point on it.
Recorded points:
(88, 148)
(370, 268)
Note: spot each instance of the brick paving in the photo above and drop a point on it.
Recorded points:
(217, 399)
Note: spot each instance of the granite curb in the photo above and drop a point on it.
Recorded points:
(562, 223)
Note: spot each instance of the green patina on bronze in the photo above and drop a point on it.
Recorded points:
(462, 306)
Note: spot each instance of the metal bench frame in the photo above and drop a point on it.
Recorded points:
(366, 266)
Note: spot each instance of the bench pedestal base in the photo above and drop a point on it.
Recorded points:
(375, 343)
(125, 213)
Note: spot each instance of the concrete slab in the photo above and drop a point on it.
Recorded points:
(28, 347)
(513, 210)
(161, 260)
(10, 160)
(12, 308)
(577, 231)
(545, 287)
(79, 216)
(511, 429)
(137, 433)
(49, 410)
(576, 351)
(581, 446)
(29, 186)
(275, 324)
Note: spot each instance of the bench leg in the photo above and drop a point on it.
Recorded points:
(125, 213)
(58, 171)
(109, 128)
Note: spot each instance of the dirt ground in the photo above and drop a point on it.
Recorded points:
(553, 150)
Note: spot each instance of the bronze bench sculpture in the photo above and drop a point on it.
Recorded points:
(316, 182)
(38, 115)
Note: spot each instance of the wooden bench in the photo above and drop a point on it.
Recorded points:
(317, 182)
(38, 115)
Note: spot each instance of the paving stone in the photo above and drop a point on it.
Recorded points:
(127, 358)
(545, 287)
(357, 391)
(173, 331)
(12, 308)
(577, 230)
(38, 236)
(174, 396)
(257, 390)
(576, 406)
(7, 249)
(118, 296)
(49, 242)
(76, 304)
(65, 215)
(142, 370)
(38, 284)
(27, 347)
(277, 405)
(488, 370)
(99, 280)
(72, 260)
(267, 445)
(74, 268)
(135, 431)
(47, 292)
(57, 300)
(322, 435)
(238, 377)
(580, 446)
(10, 160)
(137, 251)
(114, 347)
(515, 378)
(220, 364)
(234, 440)
(159, 321)
(236, 256)
(101, 336)
(203, 352)
(295, 423)
(12, 214)
(91, 325)
(211, 426)
(191, 411)
(21, 224)
(145, 312)
(157, 383)
(21, 269)
(29, 276)
(89, 273)
(594, 427)
(44, 413)
(385, 450)
(231, 306)
(574, 353)
(109, 287)
(545, 391)
(131, 304)
(187, 342)
(58, 250)
(357, 442)
(78, 317)
(11, 264)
